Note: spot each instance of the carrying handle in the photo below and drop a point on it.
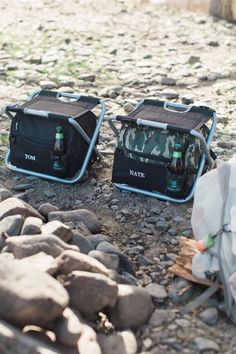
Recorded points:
(90, 99)
(176, 107)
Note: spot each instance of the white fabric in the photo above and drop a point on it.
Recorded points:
(214, 209)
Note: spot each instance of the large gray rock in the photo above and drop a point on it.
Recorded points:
(13, 341)
(204, 345)
(25, 246)
(96, 239)
(46, 208)
(120, 342)
(14, 206)
(82, 242)
(161, 317)
(5, 194)
(59, 229)
(133, 307)
(29, 296)
(107, 247)
(79, 215)
(110, 260)
(11, 225)
(42, 261)
(157, 291)
(68, 328)
(89, 292)
(88, 342)
(68, 261)
(32, 226)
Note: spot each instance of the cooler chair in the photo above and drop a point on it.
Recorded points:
(172, 117)
(43, 111)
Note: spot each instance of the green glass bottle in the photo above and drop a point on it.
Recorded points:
(58, 150)
(175, 173)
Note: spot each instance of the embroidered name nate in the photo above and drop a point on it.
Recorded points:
(136, 174)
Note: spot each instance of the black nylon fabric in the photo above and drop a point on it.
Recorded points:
(194, 119)
(34, 136)
(48, 101)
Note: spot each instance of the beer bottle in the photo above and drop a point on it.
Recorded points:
(175, 174)
(58, 150)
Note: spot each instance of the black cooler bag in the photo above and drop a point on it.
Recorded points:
(32, 137)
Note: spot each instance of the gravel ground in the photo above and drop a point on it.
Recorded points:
(123, 51)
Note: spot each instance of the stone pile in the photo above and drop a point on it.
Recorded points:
(64, 288)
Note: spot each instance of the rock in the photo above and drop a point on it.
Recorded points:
(86, 77)
(133, 307)
(187, 99)
(209, 316)
(47, 85)
(193, 59)
(23, 187)
(144, 261)
(169, 93)
(120, 279)
(11, 225)
(59, 229)
(120, 343)
(176, 295)
(68, 261)
(13, 341)
(82, 286)
(157, 291)
(213, 43)
(86, 216)
(109, 260)
(41, 261)
(128, 107)
(161, 317)
(28, 294)
(22, 196)
(88, 342)
(96, 239)
(40, 334)
(68, 328)
(82, 242)
(46, 208)
(168, 81)
(125, 264)
(81, 228)
(202, 344)
(4, 194)
(182, 322)
(25, 246)
(107, 247)
(32, 226)
(49, 193)
(15, 206)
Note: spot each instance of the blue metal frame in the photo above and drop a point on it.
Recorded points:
(80, 175)
(205, 144)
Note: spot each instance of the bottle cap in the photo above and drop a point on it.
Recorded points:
(58, 129)
(178, 146)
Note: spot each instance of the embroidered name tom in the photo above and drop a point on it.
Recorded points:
(30, 157)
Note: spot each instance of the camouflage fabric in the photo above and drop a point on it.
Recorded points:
(149, 144)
